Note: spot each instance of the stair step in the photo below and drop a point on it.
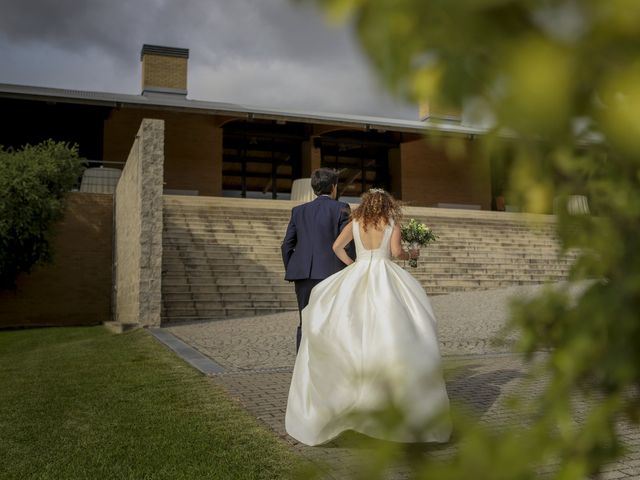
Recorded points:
(221, 257)
(225, 314)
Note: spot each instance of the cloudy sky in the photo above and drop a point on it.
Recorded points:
(263, 53)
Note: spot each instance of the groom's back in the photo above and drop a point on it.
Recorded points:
(317, 225)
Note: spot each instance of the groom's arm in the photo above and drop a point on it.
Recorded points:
(345, 218)
(289, 242)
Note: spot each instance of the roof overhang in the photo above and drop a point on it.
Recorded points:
(179, 103)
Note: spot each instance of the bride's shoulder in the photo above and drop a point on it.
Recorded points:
(390, 224)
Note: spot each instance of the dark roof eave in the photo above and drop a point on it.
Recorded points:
(56, 99)
(212, 108)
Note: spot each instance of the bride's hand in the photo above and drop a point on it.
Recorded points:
(414, 253)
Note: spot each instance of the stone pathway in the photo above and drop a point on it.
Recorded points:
(476, 382)
(257, 355)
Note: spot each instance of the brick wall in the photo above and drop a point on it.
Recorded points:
(164, 71)
(433, 171)
(76, 288)
(193, 147)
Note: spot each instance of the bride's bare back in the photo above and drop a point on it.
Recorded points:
(377, 210)
(372, 238)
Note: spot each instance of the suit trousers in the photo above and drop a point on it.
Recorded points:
(303, 292)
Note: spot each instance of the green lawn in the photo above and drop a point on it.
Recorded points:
(85, 403)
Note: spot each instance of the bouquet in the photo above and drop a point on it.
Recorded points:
(417, 235)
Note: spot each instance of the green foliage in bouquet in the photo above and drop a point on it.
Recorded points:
(416, 234)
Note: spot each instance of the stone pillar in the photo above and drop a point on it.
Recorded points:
(138, 230)
(395, 172)
(311, 158)
(217, 161)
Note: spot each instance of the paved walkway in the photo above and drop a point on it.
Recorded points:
(257, 356)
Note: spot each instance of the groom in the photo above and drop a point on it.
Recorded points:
(307, 250)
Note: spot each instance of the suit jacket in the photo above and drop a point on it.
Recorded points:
(307, 250)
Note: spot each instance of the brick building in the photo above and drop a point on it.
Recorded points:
(138, 257)
(220, 149)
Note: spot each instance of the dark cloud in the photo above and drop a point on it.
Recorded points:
(76, 25)
(269, 53)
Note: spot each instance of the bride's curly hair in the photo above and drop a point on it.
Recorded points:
(376, 209)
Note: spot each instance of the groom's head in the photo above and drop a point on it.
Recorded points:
(324, 181)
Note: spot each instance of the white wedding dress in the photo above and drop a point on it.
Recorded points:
(368, 342)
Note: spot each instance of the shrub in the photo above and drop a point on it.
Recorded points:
(33, 184)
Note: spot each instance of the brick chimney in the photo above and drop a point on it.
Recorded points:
(164, 69)
(440, 113)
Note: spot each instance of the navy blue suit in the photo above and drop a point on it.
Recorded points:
(307, 248)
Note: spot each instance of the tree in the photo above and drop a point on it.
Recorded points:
(561, 79)
(33, 183)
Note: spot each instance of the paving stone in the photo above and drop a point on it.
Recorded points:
(613, 474)
(258, 353)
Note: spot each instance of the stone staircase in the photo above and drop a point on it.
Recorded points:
(221, 256)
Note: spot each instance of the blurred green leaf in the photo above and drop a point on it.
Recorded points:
(561, 80)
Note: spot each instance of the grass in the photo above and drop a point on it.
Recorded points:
(82, 403)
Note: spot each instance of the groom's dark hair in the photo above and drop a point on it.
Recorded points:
(323, 180)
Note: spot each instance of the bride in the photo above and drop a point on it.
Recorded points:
(369, 343)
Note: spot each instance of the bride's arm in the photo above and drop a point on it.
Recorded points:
(396, 246)
(342, 241)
